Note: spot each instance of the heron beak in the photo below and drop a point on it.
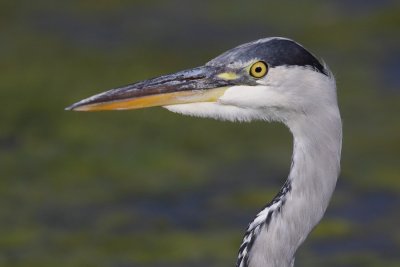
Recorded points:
(202, 84)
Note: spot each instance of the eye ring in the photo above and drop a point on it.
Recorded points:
(259, 69)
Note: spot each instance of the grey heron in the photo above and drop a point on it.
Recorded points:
(271, 79)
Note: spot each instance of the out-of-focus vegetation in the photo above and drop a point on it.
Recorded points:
(152, 188)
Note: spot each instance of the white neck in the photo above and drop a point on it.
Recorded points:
(279, 229)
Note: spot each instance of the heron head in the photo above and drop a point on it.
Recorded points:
(268, 79)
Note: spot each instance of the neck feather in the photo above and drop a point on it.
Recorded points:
(272, 239)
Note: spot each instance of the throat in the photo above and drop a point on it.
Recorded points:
(273, 237)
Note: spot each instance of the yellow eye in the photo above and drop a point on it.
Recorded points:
(259, 69)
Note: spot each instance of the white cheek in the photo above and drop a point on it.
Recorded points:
(260, 96)
(284, 88)
(215, 110)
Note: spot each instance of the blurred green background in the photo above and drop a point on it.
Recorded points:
(152, 188)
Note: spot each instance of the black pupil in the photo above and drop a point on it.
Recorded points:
(258, 69)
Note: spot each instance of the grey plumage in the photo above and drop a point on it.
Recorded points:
(295, 88)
